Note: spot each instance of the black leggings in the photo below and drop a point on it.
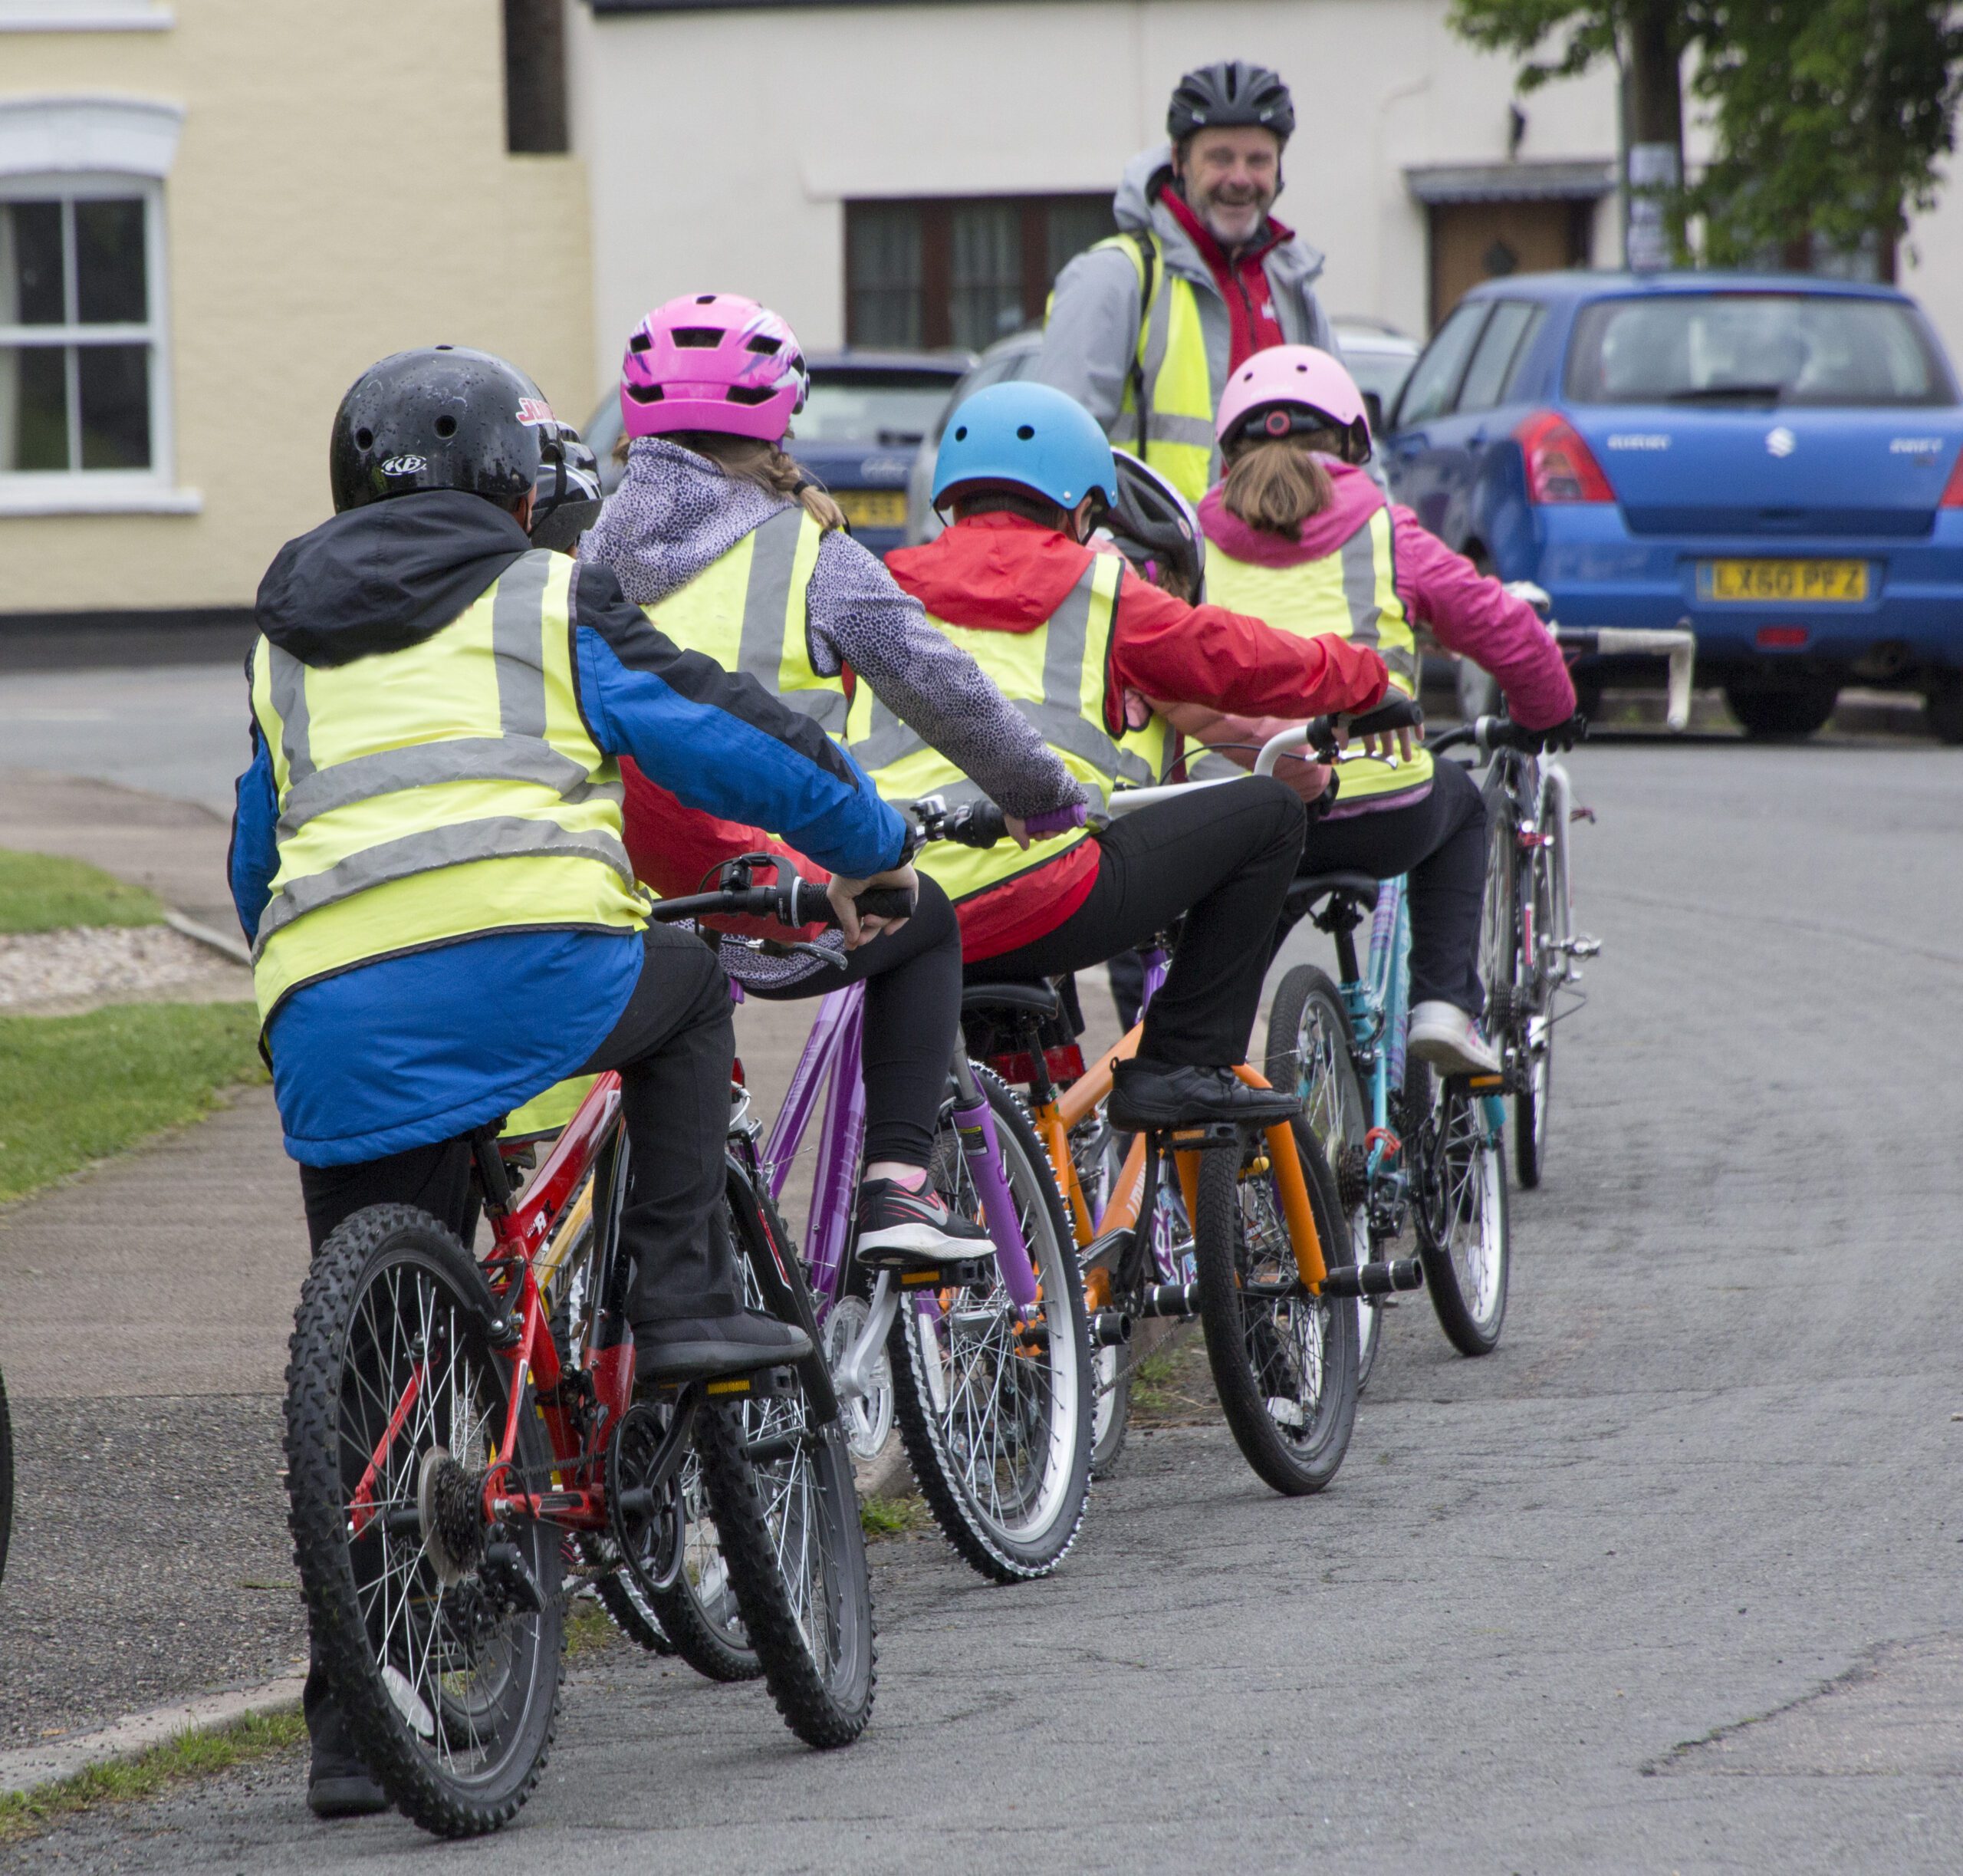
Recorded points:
(1223, 856)
(1440, 842)
(912, 980)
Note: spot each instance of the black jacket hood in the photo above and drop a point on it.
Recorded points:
(383, 577)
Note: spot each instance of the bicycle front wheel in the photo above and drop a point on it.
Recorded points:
(778, 1479)
(995, 1410)
(1541, 886)
(1284, 1361)
(1463, 1239)
(440, 1633)
(1310, 1049)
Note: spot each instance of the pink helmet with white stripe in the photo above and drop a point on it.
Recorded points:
(1289, 388)
(712, 361)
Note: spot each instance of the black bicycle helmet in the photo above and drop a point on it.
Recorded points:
(444, 416)
(1154, 526)
(1232, 91)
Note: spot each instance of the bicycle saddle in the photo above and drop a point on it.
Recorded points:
(1359, 887)
(1038, 999)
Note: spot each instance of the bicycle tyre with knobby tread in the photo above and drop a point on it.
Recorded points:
(317, 1519)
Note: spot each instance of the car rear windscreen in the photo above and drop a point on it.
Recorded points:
(1765, 348)
(886, 408)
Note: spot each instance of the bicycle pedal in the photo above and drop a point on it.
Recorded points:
(958, 1273)
(1582, 946)
(1210, 1136)
(757, 1385)
(1504, 1083)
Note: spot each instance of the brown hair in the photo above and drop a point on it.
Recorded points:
(1276, 483)
(764, 465)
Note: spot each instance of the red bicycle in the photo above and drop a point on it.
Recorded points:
(455, 1431)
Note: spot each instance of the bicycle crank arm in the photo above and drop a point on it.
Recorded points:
(1377, 1278)
(853, 1378)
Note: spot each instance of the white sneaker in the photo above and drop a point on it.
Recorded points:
(1444, 1035)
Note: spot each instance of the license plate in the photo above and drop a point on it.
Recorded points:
(1801, 582)
(872, 508)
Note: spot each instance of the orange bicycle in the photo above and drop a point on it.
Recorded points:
(1221, 1222)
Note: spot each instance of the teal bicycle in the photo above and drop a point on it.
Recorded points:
(1419, 1160)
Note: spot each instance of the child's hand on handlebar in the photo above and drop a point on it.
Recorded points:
(857, 926)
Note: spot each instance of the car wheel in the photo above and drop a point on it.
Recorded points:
(1782, 711)
(1943, 701)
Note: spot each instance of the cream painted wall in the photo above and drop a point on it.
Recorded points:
(341, 191)
(720, 145)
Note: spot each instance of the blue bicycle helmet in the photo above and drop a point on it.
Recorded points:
(1029, 436)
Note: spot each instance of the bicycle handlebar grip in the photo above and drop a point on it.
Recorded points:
(1056, 821)
(885, 902)
(981, 823)
(1395, 711)
(810, 905)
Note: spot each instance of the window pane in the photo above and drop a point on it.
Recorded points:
(1435, 377)
(109, 263)
(34, 407)
(116, 405)
(882, 274)
(984, 248)
(1497, 345)
(1073, 226)
(31, 264)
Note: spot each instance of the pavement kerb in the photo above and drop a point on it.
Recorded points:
(30, 1767)
(235, 949)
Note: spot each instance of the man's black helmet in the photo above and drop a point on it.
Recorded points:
(446, 417)
(1154, 526)
(1232, 91)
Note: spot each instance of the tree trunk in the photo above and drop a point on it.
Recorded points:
(1654, 133)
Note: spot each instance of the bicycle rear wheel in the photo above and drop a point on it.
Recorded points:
(440, 1635)
(1284, 1362)
(1310, 1049)
(994, 1413)
(1463, 1239)
(777, 1478)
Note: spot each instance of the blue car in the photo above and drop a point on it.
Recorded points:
(1777, 459)
(856, 434)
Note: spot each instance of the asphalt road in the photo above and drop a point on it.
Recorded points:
(1669, 1583)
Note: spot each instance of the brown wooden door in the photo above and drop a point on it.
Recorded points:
(1476, 241)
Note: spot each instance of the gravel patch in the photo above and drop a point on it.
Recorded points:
(107, 963)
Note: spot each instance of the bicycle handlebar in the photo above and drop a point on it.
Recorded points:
(1680, 646)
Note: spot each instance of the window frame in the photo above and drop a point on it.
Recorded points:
(1535, 318)
(934, 223)
(1482, 309)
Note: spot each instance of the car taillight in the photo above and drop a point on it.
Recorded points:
(1559, 466)
(1952, 493)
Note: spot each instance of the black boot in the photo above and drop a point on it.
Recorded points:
(1151, 1094)
(688, 1348)
(338, 1784)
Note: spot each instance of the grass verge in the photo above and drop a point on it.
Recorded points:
(40, 893)
(194, 1755)
(77, 1089)
(1173, 1386)
(894, 1517)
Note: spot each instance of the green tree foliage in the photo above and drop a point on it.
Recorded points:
(1831, 117)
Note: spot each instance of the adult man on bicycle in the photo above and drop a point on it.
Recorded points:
(427, 853)
(1146, 326)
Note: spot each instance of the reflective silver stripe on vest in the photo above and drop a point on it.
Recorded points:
(1167, 429)
(500, 836)
(517, 612)
(287, 681)
(1359, 594)
(766, 620)
(1059, 719)
(430, 764)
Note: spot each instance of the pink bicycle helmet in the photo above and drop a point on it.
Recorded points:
(1290, 388)
(712, 361)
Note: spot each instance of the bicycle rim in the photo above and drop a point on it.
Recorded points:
(995, 1410)
(1463, 1221)
(1284, 1361)
(448, 1680)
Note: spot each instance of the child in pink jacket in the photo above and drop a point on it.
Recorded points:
(1299, 535)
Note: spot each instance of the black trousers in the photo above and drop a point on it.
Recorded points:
(1224, 857)
(1440, 842)
(912, 980)
(674, 1045)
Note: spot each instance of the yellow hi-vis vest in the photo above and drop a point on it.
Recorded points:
(748, 611)
(1350, 594)
(1172, 362)
(438, 793)
(1057, 677)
